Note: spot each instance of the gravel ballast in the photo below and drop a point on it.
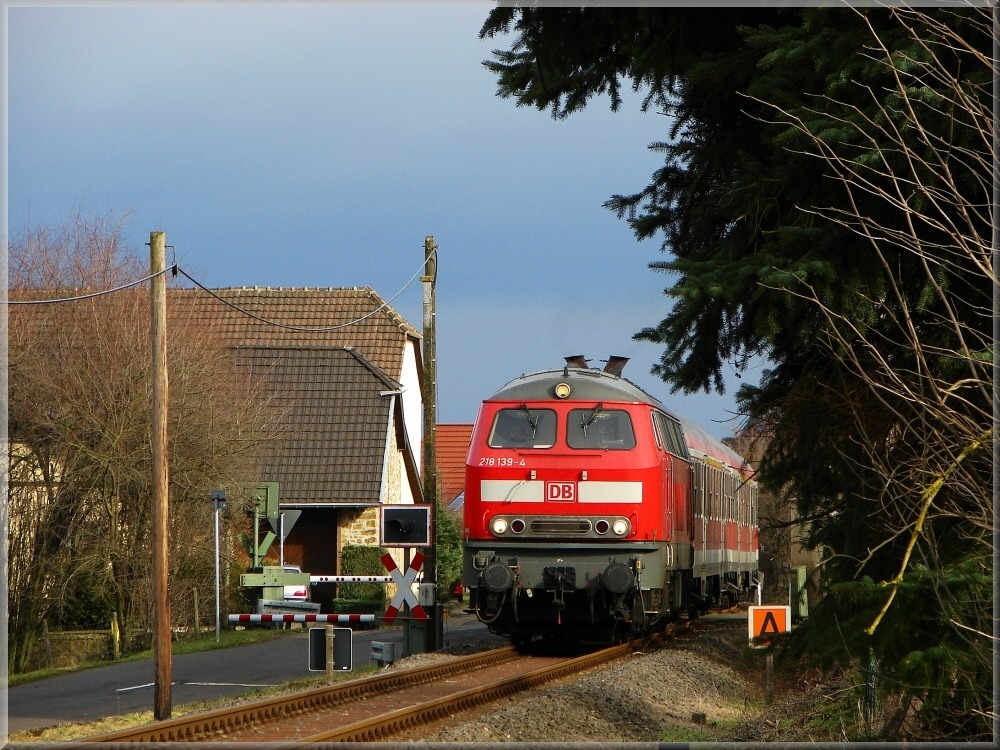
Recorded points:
(696, 688)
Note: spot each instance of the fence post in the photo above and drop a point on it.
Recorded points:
(116, 638)
(330, 635)
(47, 643)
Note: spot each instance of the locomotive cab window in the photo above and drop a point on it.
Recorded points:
(522, 427)
(597, 427)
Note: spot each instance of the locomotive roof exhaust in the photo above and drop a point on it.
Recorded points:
(614, 366)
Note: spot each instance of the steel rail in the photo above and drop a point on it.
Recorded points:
(213, 725)
(409, 718)
(384, 726)
(216, 725)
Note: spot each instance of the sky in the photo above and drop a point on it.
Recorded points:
(317, 145)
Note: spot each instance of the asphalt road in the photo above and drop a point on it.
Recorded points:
(127, 687)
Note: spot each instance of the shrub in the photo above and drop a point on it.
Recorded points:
(359, 560)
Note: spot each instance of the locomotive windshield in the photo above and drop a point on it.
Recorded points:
(610, 429)
(523, 428)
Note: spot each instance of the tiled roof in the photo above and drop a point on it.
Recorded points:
(451, 449)
(327, 381)
(334, 420)
(380, 333)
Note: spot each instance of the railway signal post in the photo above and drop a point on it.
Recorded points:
(408, 526)
(765, 623)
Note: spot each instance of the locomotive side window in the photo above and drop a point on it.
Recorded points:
(523, 428)
(662, 432)
(670, 433)
(597, 427)
(682, 449)
(660, 442)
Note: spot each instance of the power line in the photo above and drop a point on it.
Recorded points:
(123, 287)
(303, 329)
(175, 269)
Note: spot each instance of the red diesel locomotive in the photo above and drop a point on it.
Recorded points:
(592, 511)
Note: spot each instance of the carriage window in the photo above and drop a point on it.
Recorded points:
(523, 428)
(597, 427)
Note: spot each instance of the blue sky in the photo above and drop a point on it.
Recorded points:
(317, 145)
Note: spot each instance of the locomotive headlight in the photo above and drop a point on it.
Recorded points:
(562, 390)
(620, 527)
(499, 526)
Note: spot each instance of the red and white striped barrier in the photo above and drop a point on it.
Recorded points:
(301, 618)
(350, 579)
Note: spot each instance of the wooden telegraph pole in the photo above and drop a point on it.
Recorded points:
(430, 428)
(161, 603)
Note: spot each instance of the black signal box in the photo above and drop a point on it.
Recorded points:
(343, 648)
(406, 526)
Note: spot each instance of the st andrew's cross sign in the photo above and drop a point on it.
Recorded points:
(404, 588)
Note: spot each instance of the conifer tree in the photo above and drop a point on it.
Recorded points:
(824, 199)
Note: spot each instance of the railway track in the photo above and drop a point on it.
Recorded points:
(373, 708)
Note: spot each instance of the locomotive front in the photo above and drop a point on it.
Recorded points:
(568, 512)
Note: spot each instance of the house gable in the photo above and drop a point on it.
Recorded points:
(355, 318)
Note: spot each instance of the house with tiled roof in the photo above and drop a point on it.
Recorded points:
(351, 317)
(342, 371)
(451, 450)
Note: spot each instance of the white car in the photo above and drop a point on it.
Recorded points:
(295, 593)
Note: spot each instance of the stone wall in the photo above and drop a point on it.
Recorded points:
(359, 526)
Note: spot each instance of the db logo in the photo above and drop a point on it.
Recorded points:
(564, 492)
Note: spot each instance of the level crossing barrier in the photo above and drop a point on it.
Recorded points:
(237, 618)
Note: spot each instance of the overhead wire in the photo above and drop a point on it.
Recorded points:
(306, 329)
(100, 293)
(175, 269)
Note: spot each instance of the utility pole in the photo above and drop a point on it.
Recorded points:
(430, 429)
(161, 603)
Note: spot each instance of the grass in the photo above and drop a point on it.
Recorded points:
(695, 733)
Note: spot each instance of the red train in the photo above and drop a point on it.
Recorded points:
(591, 511)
